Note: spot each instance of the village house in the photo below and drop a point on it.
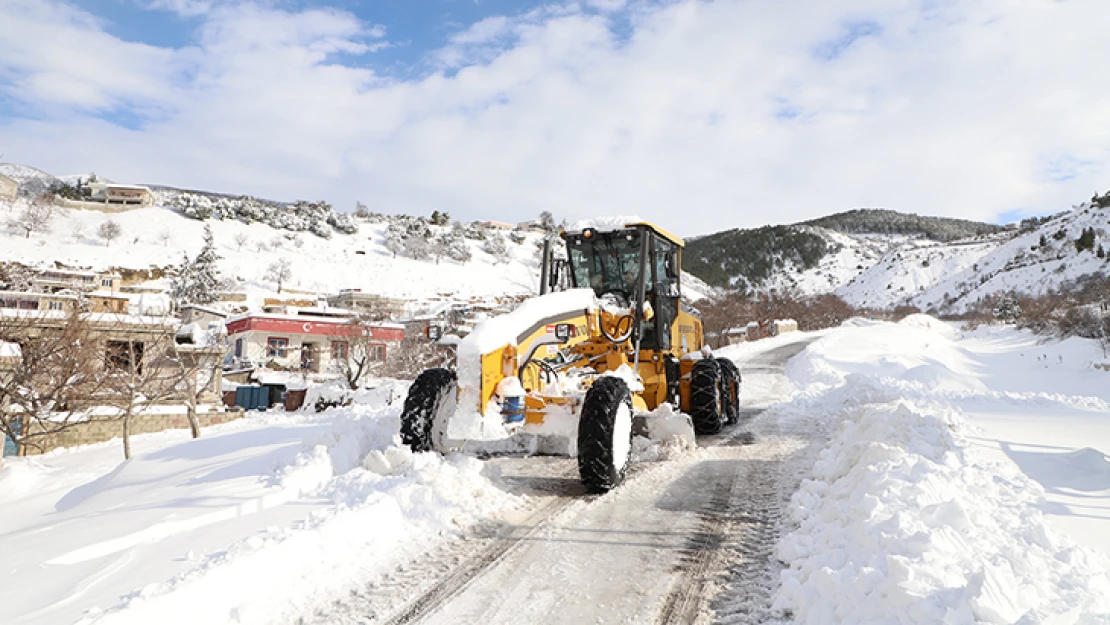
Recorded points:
(125, 194)
(33, 300)
(9, 189)
(357, 300)
(122, 341)
(54, 280)
(305, 339)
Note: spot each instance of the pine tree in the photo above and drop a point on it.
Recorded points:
(547, 222)
(1086, 241)
(198, 280)
(205, 272)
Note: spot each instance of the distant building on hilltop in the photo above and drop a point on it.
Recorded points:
(357, 300)
(126, 194)
(8, 188)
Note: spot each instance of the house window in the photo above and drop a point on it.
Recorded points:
(124, 356)
(54, 305)
(277, 347)
(28, 304)
(106, 282)
(238, 348)
(339, 350)
(376, 353)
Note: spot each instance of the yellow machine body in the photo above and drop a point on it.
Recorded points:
(599, 338)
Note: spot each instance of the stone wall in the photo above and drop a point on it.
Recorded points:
(100, 430)
(100, 207)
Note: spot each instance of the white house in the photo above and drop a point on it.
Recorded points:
(130, 194)
(8, 189)
(306, 339)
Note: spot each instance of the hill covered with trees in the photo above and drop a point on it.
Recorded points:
(884, 221)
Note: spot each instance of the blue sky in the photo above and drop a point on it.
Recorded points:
(414, 27)
(730, 113)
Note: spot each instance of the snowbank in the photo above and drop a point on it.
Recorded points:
(255, 522)
(905, 519)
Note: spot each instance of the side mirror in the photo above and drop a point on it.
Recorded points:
(671, 264)
(434, 333)
(563, 331)
(553, 277)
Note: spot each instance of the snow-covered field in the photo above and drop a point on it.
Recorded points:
(965, 480)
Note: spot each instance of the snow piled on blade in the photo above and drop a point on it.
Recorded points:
(904, 518)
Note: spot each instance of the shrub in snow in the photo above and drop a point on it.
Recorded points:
(318, 218)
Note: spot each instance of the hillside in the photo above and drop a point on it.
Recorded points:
(883, 221)
(328, 250)
(883, 259)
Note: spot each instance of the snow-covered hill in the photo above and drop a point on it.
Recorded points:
(159, 237)
(887, 270)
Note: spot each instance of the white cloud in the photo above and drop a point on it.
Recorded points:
(699, 115)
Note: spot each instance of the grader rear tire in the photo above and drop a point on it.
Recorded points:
(706, 405)
(605, 434)
(429, 405)
(730, 390)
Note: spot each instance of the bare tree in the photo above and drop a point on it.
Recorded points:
(46, 382)
(164, 237)
(240, 240)
(199, 368)
(78, 231)
(35, 218)
(109, 231)
(417, 248)
(413, 355)
(360, 353)
(142, 370)
(280, 271)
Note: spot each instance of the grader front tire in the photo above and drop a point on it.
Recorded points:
(706, 405)
(605, 434)
(429, 403)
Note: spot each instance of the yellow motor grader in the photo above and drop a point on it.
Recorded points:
(603, 354)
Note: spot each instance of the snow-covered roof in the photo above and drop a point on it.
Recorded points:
(9, 350)
(204, 309)
(37, 294)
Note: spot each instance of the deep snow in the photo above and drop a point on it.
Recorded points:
(964, 481)
(912, 515)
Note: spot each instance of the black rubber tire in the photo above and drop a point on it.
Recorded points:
(423, 407)
(705, 397)
(599, 428)
(730, 390)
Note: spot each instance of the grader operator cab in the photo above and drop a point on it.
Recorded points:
(578, 370)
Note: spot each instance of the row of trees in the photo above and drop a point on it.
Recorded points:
(735, 309)
(1078, 307)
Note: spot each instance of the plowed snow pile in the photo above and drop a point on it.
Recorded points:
(251, 523)
(909, 516)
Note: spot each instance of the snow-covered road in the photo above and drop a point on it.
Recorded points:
(684, 540)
